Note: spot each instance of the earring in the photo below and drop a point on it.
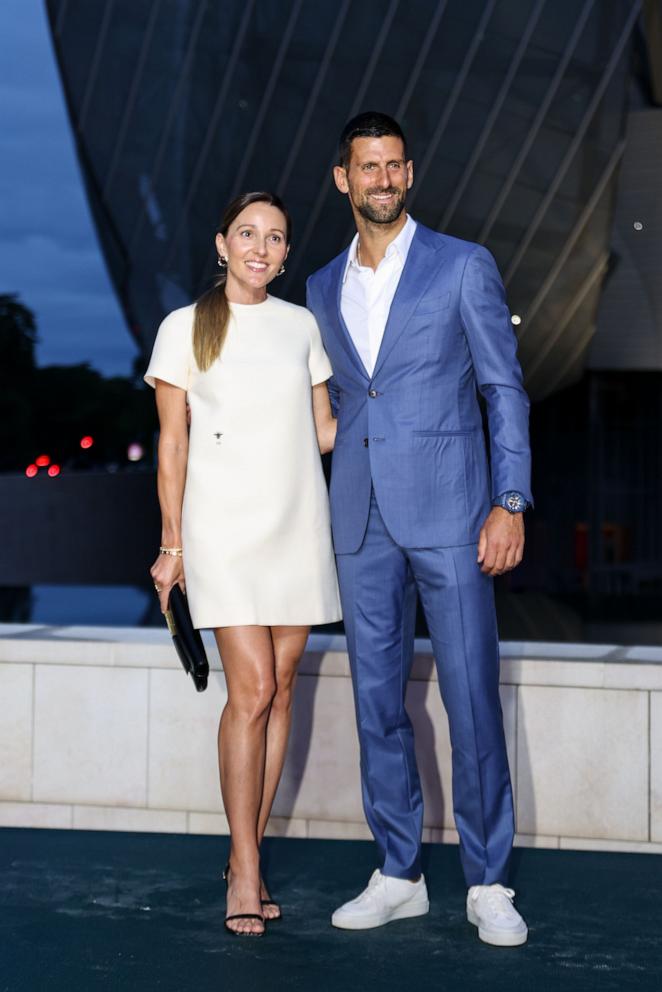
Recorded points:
(222, 262)
(281, 270)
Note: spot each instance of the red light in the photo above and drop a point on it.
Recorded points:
(53, 471)
(42, 461)
(31, 471)
(87, 441)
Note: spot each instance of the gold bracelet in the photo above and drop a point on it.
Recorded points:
(175, 552)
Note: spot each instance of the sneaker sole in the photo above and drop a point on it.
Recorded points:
(497, 937)
(406, 912)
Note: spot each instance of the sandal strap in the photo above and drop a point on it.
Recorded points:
(245, 916)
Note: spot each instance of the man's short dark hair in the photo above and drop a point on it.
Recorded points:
(370, 124)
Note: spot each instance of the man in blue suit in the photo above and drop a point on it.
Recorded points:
(416, 325)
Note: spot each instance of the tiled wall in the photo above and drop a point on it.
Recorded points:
(101, 729)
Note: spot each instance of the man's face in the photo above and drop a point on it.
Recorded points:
(377, 178)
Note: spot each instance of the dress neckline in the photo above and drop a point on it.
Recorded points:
(249, 306)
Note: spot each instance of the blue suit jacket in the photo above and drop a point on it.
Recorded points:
(419, 441)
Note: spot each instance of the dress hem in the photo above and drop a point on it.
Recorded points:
(254, 622)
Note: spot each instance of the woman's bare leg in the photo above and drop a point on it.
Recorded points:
(249, 665)
(288, 646)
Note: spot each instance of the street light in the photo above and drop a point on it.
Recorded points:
(135, 452)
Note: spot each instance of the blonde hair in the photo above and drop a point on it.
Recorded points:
(212, 309)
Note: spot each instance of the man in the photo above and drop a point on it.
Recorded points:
(415, 323)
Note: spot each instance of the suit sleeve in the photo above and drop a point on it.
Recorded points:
(493, 346)
(332, 385)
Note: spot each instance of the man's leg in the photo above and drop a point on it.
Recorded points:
(458, 601)
(379, 609)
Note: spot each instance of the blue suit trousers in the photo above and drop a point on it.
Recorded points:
(378, 585)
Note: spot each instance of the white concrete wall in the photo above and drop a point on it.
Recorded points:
(101, 729)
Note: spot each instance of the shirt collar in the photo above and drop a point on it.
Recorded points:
(399, 245)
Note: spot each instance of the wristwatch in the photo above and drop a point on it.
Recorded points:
(512, 501)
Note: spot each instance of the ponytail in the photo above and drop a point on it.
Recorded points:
(210, 324)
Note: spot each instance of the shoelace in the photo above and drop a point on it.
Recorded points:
(495, 896)
(375, 883)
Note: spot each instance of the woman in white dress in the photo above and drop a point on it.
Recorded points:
(245, 517)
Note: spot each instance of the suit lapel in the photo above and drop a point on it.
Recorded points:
(334, 290)
(420, 269)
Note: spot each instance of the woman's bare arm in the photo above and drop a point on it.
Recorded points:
(171, 477)
(325, 422)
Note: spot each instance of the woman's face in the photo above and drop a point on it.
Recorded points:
(255, 247)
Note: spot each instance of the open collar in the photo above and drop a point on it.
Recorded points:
(399, 245)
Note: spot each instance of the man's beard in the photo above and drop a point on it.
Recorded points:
(385, 213)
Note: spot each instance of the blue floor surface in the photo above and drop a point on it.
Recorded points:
(144, 912)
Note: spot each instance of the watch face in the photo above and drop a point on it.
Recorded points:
(514, 503)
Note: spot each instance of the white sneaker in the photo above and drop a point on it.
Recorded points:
(385, 899)
(490, 908)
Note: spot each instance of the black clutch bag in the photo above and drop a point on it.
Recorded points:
(186, 639)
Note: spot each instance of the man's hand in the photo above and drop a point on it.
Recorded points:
(501, 542)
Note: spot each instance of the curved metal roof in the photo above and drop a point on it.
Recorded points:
(514, 114)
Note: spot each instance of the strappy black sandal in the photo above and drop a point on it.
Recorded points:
(242, 916)
(245, 933)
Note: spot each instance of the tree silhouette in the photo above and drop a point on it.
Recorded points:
(18, 336)
(48, 410)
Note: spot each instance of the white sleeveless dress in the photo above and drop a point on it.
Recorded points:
(255, 520)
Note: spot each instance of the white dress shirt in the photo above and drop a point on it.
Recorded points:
(366, 296)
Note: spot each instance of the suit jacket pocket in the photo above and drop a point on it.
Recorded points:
(432, 304)
(443, 433)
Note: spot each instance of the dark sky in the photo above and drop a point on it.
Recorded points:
(49, 253)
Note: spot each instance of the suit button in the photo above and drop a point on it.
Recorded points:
(372, 393)
(365, 442)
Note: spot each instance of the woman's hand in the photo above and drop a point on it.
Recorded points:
(167, 571)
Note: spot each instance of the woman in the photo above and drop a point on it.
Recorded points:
(245, 510)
